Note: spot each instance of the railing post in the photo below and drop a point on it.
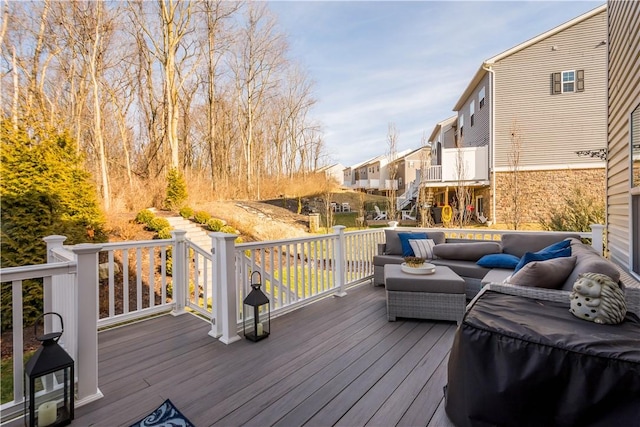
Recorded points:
(226, 290)
(47, 291)
(179, 276)
(87, 317)
(340, 253)
(597, 238)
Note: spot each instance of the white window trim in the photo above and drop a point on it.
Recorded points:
(574, 81)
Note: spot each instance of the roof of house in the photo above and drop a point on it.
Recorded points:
(439, 126)
(482, 71)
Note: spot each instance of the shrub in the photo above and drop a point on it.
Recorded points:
(201, 217)
(186, 212)
(165, 233)
(157, 224)
(215, 224)
(44, 191)
(228, 229)
(577, 213)
(145, 216)
(176, 190)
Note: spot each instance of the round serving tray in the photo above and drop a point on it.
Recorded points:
(426, 268)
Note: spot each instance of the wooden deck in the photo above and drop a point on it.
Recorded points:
(335, 362)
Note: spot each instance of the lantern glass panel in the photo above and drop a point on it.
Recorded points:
(50, 398)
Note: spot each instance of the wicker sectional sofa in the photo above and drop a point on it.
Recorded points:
(461, 256)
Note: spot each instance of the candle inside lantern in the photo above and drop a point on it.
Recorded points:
(260, 329)
(47, 414)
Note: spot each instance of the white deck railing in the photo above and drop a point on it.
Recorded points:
(133, 280)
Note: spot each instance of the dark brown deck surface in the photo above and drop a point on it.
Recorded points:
(335, 362)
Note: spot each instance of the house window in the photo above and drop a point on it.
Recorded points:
(567, 81)
(480, 205)
(635, 189)
(472, 111)
(461, 124)
(481, 98)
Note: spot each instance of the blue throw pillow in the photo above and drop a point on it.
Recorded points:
(404, 241)
(499, 261)
(563, 244)
(541, 256)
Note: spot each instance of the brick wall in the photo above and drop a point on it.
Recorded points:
(543, 190)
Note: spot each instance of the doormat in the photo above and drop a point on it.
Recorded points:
(166, 415)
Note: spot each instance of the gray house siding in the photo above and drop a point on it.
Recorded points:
(553, 127)
(478, 134)
(623, 98)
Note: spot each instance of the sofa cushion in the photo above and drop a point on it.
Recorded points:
(519, 243)
(467, 269)
(466, 251)
(499, 261)
(422, 248)
(404, 242)
(549, 274)
(381, 260)
(497, 275)
(589, 262)
(394, 247)
(543, 255)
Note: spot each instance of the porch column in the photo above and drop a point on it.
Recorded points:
(179, 277)
(597, 238)
(87, 315)
(340, 259)
(224, 325)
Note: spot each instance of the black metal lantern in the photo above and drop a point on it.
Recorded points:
(256, 313)
(51, 368)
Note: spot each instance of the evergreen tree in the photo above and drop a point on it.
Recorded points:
(44, 191)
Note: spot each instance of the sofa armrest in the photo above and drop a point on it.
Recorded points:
(381, 248)
(525, 291)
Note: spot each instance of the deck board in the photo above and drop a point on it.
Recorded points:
(337, 361)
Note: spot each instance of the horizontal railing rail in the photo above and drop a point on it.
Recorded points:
(133, 280)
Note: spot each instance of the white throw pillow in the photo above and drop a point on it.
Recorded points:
(422, 248)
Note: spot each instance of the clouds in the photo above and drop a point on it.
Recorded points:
(401, 62)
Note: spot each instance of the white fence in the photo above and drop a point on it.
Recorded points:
(133, 280)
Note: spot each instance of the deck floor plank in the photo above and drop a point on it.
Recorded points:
(337, 360)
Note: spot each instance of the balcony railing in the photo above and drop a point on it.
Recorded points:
(132, 280)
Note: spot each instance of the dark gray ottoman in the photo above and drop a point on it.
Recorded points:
(437, 296)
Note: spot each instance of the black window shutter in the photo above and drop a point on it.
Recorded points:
(580, 81)
(556, 83)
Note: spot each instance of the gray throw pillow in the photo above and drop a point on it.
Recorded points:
(549, 274)
(392, 241)
(519, 243)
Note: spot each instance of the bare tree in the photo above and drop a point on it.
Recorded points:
(258, 59)
(513, 189)
(424, 199)
(463, 195)
(392, 170)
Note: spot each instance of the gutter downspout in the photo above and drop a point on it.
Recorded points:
(492, 124)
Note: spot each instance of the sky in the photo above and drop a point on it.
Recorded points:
(401, 62)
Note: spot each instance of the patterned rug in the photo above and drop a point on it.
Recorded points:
(166, 415)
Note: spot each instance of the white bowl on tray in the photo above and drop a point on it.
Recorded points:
(425, 268)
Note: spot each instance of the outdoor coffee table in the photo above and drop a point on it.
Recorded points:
(437, 296)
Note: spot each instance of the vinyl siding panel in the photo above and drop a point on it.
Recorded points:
(624, 97)
(553, 127)
(478, 134)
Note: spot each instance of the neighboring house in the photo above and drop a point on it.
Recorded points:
(408, 170)
(623, 126)
(371, 176)
(334, 171)
(454, 162)
(549, 93)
